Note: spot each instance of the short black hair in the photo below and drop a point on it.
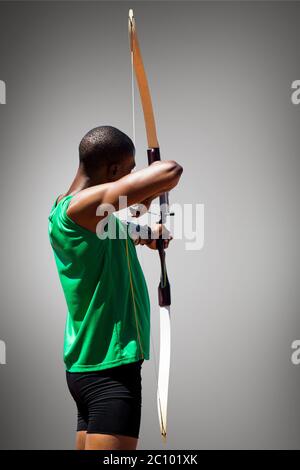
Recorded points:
(104, 145)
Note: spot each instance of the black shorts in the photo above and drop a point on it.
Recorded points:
(108, 401)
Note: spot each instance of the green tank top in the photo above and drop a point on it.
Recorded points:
(108, 317)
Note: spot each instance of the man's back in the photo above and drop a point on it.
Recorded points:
(108, 318)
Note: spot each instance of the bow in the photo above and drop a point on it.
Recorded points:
(164, 294)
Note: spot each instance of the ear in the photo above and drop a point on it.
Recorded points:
(113, 171)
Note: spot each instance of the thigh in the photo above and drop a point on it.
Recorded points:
(110, 442)
(109, 403)
(114, 402)
(115, 415)
(80, 440)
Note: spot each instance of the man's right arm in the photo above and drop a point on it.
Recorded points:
(142, 185)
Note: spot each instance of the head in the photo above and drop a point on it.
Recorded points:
(106, 154)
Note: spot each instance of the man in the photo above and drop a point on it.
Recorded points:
(108, 321)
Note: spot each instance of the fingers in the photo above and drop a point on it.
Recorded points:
(159, 231)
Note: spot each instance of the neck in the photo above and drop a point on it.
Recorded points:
(80, 182)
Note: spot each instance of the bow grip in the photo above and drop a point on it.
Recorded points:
(153, 155)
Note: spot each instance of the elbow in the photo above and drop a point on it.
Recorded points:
(178, 170)
(174, 173)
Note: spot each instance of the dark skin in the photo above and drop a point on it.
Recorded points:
(105, 187)
(113, 181)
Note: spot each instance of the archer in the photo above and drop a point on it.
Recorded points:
(108, 319)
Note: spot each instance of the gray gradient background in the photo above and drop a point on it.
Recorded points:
(220, 75)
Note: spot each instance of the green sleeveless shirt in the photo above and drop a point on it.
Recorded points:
(108, 318)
